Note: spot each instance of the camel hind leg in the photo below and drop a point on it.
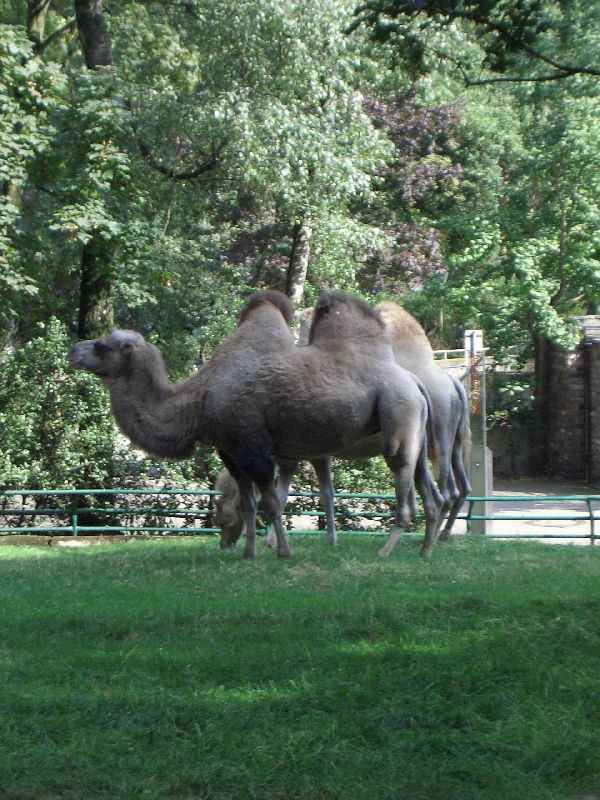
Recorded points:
(433, 502)
(322, 468)
(460, 454)
(464, 489)
(405, 451)
(430, 497)
(446, 480)
(403, 433)
(403, 481)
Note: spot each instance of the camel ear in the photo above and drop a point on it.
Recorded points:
(127, 348)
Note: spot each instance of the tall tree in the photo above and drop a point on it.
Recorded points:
(30, 91)
(96, 311)
(524, 41)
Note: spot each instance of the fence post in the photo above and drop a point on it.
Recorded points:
(74, 514)
(481, 463)
(592, 521)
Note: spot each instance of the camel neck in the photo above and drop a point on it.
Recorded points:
(156, 415)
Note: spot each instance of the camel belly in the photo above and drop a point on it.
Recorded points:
(327, 430)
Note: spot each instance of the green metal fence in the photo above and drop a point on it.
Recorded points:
(69, 511)
(72, 512)
(590, 512)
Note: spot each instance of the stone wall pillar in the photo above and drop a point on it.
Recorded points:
(594, 410)
(573, 412)
(566, 404)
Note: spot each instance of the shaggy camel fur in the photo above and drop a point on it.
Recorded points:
(228, 512)
(260, 398)
(449, 434)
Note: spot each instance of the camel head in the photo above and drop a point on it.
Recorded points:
(156, 415)
(227, 509)
(108, 357)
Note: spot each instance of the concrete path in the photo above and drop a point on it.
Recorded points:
(541, 487)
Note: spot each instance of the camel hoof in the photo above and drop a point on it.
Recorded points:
(249, 553)
(226, 545)
(284, 554)
(387, 548)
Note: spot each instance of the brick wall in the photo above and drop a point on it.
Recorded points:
(565, 402)
(573, 411)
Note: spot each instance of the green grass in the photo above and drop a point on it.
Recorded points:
(174, 670)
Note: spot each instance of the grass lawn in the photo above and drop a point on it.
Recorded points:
(171, 669)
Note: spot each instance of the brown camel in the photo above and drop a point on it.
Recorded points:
(260, 398)
(449, 434)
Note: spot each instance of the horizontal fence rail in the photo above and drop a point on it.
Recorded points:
(71, 512)
(589, 512)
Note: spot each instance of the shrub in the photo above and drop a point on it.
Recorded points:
(55, 425)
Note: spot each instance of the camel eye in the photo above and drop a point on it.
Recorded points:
(100, 348)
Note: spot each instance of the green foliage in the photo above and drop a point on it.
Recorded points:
(57, 430)
(364, 476)
(549, 41)
(220, 127)
(29, 91)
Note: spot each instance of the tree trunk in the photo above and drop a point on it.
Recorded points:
(298, 264)
(96, 312)
(37, 11)
(93, 33)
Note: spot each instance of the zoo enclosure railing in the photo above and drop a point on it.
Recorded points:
(87, 511)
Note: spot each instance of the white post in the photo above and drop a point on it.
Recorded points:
(481, 461)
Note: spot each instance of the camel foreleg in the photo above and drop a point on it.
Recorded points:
(284, 481)
(322, 468)
(272, 506)
(248, 512)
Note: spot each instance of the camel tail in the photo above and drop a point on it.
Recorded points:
(433, 450)
(464, 427)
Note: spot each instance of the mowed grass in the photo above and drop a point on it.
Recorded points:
(173, 670)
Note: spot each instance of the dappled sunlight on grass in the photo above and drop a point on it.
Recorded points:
(334, 674)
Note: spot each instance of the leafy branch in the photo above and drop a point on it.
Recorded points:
(514, 28)
(205, 165)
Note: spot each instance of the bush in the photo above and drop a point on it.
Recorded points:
(56, 426)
